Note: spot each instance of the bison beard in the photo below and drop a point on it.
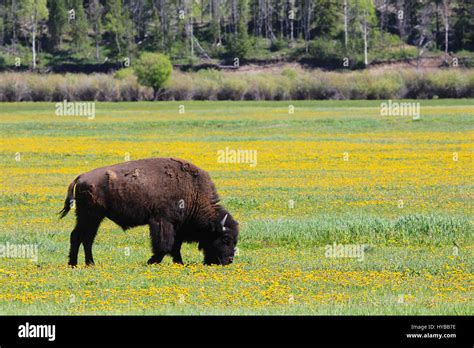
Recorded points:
(175, 198)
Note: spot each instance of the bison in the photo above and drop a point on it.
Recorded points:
(175, 198)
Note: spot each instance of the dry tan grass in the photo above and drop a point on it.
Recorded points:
(276, 82)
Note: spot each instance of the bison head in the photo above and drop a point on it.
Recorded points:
(220, 248)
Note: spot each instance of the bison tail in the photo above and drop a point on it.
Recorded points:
(69, 199)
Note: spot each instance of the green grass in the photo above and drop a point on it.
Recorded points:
(417, 256)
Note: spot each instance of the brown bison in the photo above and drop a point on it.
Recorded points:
(174, 197)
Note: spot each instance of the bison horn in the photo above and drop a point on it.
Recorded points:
(223, 220)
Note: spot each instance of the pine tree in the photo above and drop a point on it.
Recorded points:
(464, 25)
(325, 18)
(79, 26)
(3, 11)
(115, 26)
(56, 22)
(129, 34)
(95, 16)
(157, 35)
(239, 45)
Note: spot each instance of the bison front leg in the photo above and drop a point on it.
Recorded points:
(176, 252)
(162, 239)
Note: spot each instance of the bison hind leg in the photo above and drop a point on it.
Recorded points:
(84, 232)
(162, 239)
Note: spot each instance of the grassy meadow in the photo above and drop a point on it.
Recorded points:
(330, 172)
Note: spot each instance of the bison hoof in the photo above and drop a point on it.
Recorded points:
(152, 260)
(72, 265)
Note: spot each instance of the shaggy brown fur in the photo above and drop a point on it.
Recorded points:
(175, 198)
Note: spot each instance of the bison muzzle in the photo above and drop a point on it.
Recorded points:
(175, 198)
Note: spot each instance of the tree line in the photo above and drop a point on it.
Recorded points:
(198, 30)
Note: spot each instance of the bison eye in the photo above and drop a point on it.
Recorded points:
(226, 240)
